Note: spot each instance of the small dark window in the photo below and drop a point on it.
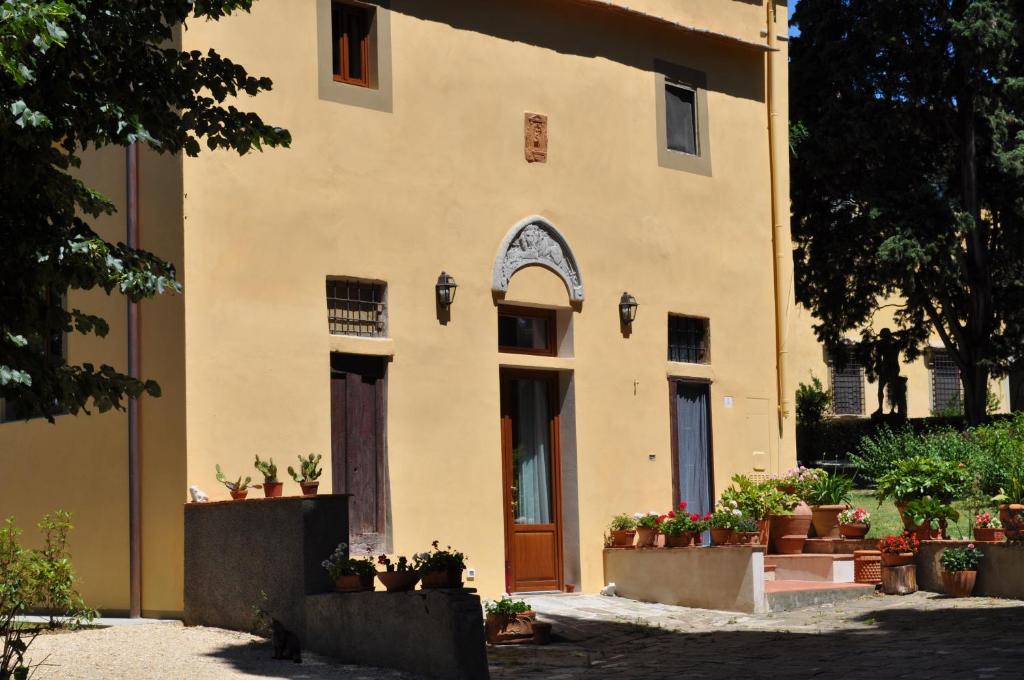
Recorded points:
(681, 119)
(356, 307)
(847, 386)
(946, 385)
(687, 339)
(526, 330)
(350, 29)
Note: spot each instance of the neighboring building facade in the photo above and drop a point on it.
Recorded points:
(933, 380)
(549, 155)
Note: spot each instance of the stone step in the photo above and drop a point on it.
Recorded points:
(820, 568)
(794, 594)
(832, 546)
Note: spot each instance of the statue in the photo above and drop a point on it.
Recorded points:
(884, 364)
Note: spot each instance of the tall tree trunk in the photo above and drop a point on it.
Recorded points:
(975, 382)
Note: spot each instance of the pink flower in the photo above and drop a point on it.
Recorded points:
(970, 546)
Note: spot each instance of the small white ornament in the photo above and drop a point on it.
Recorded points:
(198, 495)
(608, 590)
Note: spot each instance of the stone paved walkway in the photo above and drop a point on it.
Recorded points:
(922, 636)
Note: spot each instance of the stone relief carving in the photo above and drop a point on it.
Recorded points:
(536, 242)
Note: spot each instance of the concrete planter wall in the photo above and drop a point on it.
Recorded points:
(1001, 573)
(234, 550)
(728, 578)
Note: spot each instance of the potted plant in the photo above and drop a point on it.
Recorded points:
(308, 475)
(440, 568)
(929, 517)
(622, 531)
(508, 620)
(398, 576)
(899, 550)
(828, 496)
(746, 531)
(988, 528)
(919, 476)
(759, 500)
(239, 489)
(646, 528)
(796, 481)
(960, 569)
(679, 528)
(722, 522)
(854, 523)
(1011, 505)
(350, 575)
(271, 487)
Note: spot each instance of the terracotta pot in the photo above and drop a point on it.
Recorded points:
(1012, 517)
(788, 525)
(541, 633)
(398, 581)
(722, 536)
(644, 537)
(239, 495)
(272, 489)
(897, 559)
(926, 533)
(901, 508)
(990, 535)
(353, 584)
(452, 578)
(623, 539)
(856, 530)
(681, 541)
(958, 583)
(309, 488)
(502, 628)
(789, 545)
(746, 537)
(763, 531)
(826, 520)
(867, 567)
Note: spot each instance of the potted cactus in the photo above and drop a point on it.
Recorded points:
(308, 475)
(239, 489)
(271, 487)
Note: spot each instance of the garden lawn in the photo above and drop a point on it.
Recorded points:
(886, 520)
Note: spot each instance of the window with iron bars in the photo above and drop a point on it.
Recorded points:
(356, 307)
(687, 339)
(847, 387)
(946, 385)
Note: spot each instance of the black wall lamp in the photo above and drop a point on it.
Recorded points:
(446, 290)
(627, 309)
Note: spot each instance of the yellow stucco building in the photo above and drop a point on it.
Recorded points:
(549, 156)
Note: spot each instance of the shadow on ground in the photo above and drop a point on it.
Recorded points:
(254, 659)
(889, 642)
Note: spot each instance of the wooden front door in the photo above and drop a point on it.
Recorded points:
(532, 488)
(358, 457)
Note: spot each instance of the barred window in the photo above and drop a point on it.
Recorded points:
(687, 339)
(356, 307)
(946, 385)
(847, 387)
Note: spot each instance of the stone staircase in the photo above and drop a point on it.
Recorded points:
(810, 579)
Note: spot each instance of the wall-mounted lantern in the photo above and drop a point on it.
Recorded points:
(627, 309)
(446, 290)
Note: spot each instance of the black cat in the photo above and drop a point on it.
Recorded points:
(286, 643)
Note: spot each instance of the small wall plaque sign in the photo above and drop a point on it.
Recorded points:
(536, 142)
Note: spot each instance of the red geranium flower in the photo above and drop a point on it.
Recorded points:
(694, 517)
(672, 514)
(707, 515)
(682, 505)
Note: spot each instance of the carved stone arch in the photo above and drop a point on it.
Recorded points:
(535, 241)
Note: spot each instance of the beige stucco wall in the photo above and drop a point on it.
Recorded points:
(432, 182)
(807, 359)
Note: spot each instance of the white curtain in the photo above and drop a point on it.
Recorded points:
(532, 455)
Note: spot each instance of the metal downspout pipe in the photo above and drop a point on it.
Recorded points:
(779, 260)
(134, 424)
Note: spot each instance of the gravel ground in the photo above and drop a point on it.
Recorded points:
(169, 650)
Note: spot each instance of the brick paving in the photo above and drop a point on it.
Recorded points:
(923, 636)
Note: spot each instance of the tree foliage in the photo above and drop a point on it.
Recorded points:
(907, 179)
(78, 75)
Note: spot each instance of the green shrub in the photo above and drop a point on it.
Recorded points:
(922, 476)
(812, 401)
(829, 490)
(998, 459)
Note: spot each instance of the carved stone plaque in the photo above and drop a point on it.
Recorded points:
(536, 143)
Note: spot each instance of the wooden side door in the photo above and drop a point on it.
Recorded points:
(531, 483)
(358, 452)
